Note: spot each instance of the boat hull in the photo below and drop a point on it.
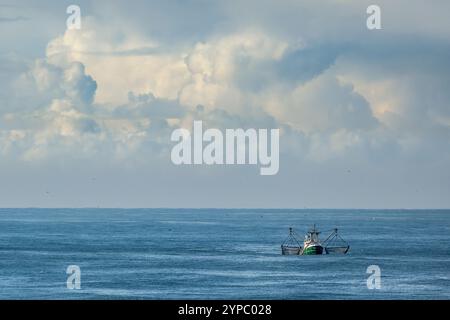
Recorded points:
(311, 250)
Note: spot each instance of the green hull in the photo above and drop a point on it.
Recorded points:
(313, 250)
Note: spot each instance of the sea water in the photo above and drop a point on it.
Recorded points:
(220, 254)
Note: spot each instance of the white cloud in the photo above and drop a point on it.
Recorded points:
(114, 90)
(98, 84)
(117, 62)
(323, 104)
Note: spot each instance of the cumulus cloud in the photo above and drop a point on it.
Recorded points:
(307, 108)
(338, 93)
(241, 79)
(116, 60)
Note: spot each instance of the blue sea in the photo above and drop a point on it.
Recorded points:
(220, 254)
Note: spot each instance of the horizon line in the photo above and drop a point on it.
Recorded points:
(227, 208)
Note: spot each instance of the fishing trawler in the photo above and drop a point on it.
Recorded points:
(312, 245)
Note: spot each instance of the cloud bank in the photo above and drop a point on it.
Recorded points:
(346, 99)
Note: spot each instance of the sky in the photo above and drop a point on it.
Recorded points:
(86, 115)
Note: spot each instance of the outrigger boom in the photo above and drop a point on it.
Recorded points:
(333, 241)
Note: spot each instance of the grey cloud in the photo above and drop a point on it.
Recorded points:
(88, 126)
(79, 86)
(295, 67)
(46, 82)
(302, 65)
(419, 72)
